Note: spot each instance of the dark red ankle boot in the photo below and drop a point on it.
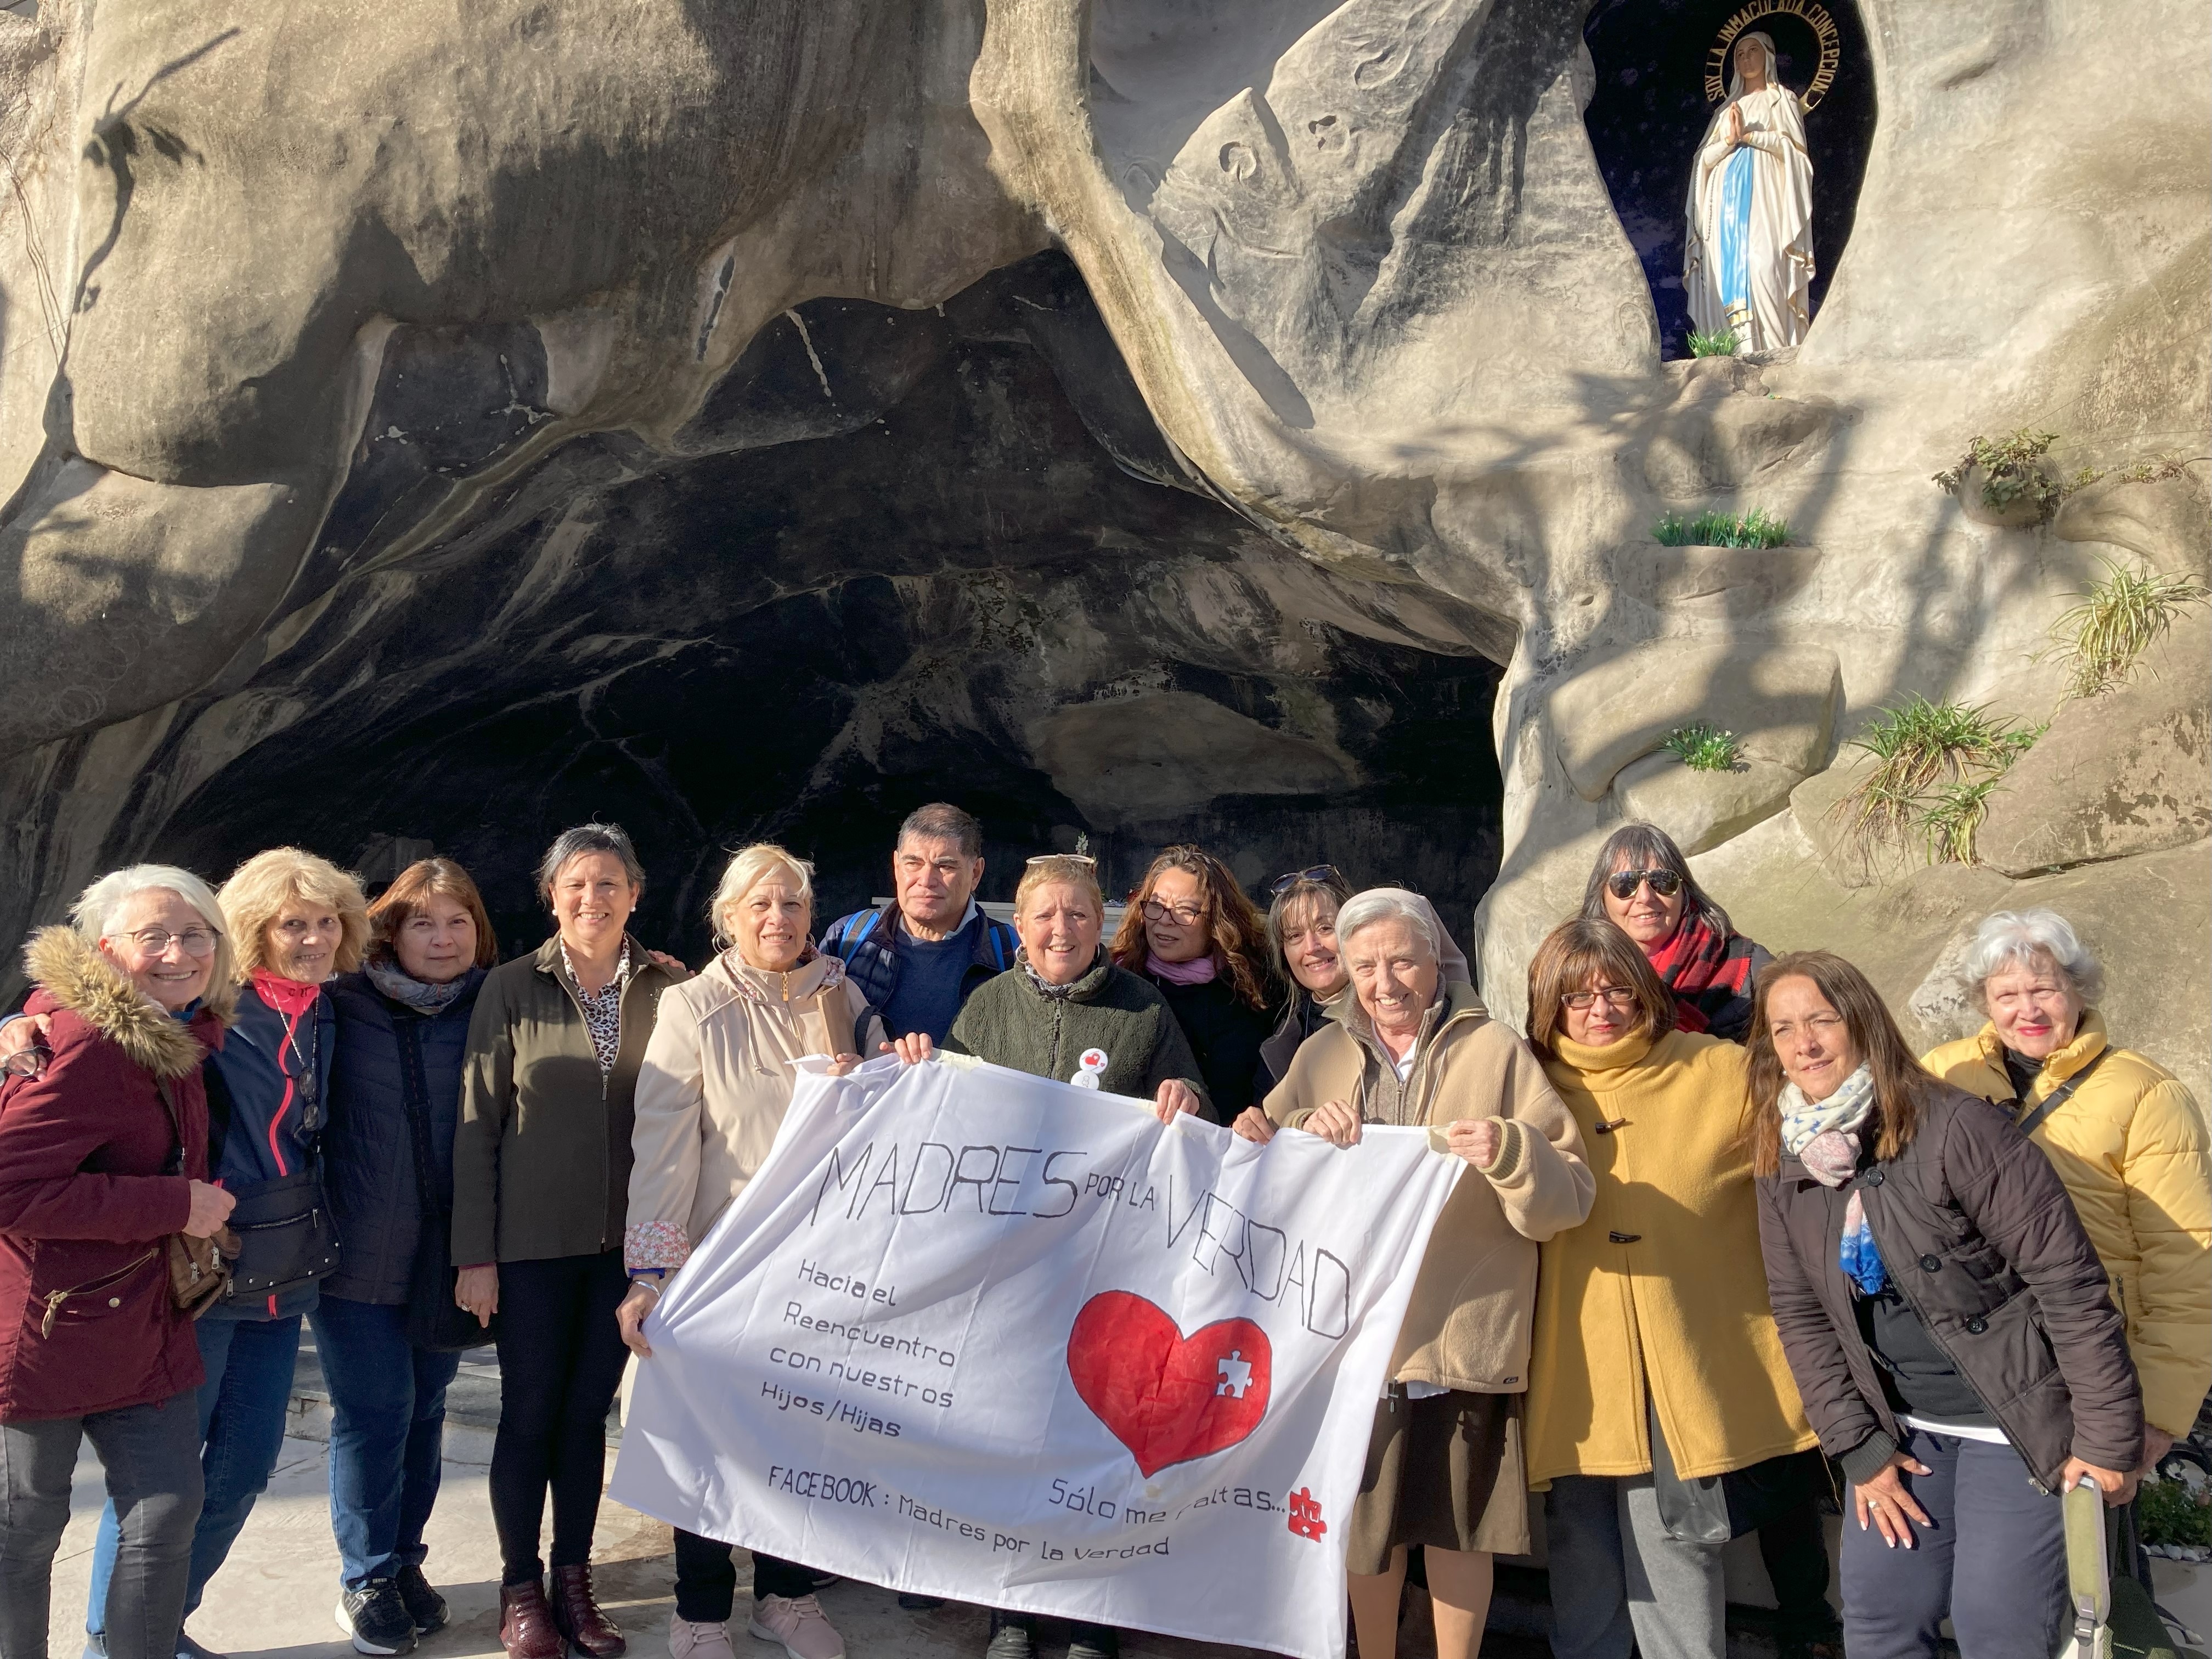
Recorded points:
(577, 1616)
(525, 1623)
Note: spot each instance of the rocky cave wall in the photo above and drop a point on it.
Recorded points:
(678, 401)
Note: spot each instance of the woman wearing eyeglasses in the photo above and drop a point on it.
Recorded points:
(1641, 884)
(104, 1156)
(1657, 1363)
(1192, 933)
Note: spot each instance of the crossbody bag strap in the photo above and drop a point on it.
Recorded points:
(2059, 1096)
(176, 1122)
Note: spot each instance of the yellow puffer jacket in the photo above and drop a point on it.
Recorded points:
(2130, 1144)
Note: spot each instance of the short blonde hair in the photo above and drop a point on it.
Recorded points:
(1058, 870)
(97, 907)
(747, 868)
(267, 882)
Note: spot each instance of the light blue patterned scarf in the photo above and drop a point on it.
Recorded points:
(1824, 1136)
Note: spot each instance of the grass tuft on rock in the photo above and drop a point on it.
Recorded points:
(1704, 748)
(2103, 637)
(1714, 528)
(1935, 766)
(1721, 343)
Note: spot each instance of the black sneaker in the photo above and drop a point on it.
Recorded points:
(188, 1649)
(908, 1603)
(1012, 1637)
(96, 1644)
(1095, 1642)
(424, 1605)
(376, 1618)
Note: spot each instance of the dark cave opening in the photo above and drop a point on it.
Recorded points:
(1649, 112)
(944, 532)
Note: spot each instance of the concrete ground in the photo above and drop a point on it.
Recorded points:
(278, 1591)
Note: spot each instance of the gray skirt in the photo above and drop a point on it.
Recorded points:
(1446, 1471)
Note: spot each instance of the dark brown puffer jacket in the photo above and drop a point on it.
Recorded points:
(1980, 1238)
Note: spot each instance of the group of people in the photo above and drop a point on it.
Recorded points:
(1721, 1232)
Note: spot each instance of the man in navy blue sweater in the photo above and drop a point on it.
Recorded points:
(917, 958)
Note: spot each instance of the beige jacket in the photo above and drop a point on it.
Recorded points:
(1467, 1324)
(714, 1088)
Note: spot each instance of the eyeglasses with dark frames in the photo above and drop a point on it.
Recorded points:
(1616, 996)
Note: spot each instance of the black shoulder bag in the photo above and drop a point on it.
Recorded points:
(434, 1320)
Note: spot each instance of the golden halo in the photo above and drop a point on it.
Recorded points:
(1816, 17)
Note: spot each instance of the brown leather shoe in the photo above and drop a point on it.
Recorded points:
(577, 1616)
(525, 1624)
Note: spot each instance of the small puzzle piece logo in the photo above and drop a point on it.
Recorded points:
(1306, 1514)
(1236, 1373)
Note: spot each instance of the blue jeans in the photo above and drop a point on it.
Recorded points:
(1994, 1562)
(241, 1410)
(387, 1430)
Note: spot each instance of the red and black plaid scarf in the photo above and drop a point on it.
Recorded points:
(1709, 974)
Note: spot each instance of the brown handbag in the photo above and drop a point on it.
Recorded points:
(199, 1268)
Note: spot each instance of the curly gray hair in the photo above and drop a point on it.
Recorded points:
(2017, 938)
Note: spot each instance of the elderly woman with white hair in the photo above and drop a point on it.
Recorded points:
(103, 1158)
(2124, 1134)
(1444, 1465)
(716, 1082)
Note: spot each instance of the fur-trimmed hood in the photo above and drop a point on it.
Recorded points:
(78, 978)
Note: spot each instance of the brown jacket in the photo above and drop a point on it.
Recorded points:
(542, 1154)
(1466, 1326)
(1977, 1234)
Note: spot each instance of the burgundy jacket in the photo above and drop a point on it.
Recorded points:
(87, 1198)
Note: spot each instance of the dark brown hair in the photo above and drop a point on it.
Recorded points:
(1899, 1080)
(397, 906)
(1233, 920)
(1575, 951)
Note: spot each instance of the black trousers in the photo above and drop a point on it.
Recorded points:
(1795, 1551)
(561, 1358)
(706, 1578)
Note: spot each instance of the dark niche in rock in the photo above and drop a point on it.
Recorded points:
(905, 555)
(1652, 107)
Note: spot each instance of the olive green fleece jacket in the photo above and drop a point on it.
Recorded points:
(542, 1152)
(1010, 1022)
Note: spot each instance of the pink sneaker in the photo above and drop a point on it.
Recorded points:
(687, 1640)
(799, 1624)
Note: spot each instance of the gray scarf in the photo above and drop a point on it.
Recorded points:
(404, 989)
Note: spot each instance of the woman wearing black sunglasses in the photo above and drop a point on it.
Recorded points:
(1641, 884)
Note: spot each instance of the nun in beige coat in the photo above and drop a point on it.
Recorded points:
(716, 1081)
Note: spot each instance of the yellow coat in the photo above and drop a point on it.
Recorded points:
(1681, 1307)
(2131, 1147)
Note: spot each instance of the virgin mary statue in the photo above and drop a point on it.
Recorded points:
(1748, 260)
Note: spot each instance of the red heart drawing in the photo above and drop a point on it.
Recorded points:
(1168, 1397)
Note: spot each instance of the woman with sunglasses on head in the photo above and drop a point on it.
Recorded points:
(1656, 1366)
(1642, 885)
(1193, 935)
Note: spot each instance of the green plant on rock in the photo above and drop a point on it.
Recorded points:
(2103, 637)
(1714, 528)
(1720, 343)
(1704, 748)
(2154, 469)
(1935, 764)
(2011, 468)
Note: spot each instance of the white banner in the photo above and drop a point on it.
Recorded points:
(982, 1335)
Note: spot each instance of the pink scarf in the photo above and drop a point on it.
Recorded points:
(1197, 971)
